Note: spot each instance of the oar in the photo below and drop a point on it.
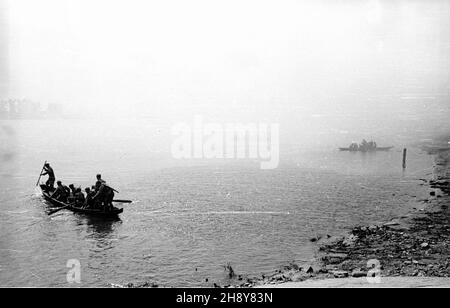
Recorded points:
(122, 201)
(59, 209)
(40, 174)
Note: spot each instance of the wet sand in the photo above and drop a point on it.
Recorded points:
(385, 282)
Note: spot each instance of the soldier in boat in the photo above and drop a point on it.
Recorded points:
(89, 201)
(72, 192)
(363, 146)
(60, 193)
(51, 176)
(104, 195)
(99, 178)
(353, 146)
(79, 197)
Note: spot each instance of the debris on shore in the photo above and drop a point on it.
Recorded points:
(421, 249)
(417, 245)
(132, 285)
(418, 248)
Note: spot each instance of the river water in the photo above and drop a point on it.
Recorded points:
(366, 71)
(188, 219)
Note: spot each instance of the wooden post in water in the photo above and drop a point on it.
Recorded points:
(404, 158)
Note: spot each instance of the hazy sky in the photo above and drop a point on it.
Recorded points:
(3, 50)
(256, 59)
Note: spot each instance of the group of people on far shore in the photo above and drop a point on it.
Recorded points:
(98, 196)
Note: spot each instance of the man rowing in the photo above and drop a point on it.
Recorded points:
(51, 176)
(104, 194)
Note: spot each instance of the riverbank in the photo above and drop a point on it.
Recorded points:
(404, 252)
(399, 251)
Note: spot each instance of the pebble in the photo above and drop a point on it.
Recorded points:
(392, 223)
(310, 270)
(358, 274)
(340, 274)
(334, 258)
(297, 277)
(424, 245)
(350, 240)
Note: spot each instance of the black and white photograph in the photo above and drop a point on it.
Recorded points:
(224, 150)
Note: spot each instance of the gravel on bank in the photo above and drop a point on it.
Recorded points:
(411, 251)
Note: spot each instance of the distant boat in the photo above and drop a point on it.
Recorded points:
(349, 149)
(365, 146)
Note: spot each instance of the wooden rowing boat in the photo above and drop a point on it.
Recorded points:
(92, 212)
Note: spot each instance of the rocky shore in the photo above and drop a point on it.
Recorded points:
(416, 245)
